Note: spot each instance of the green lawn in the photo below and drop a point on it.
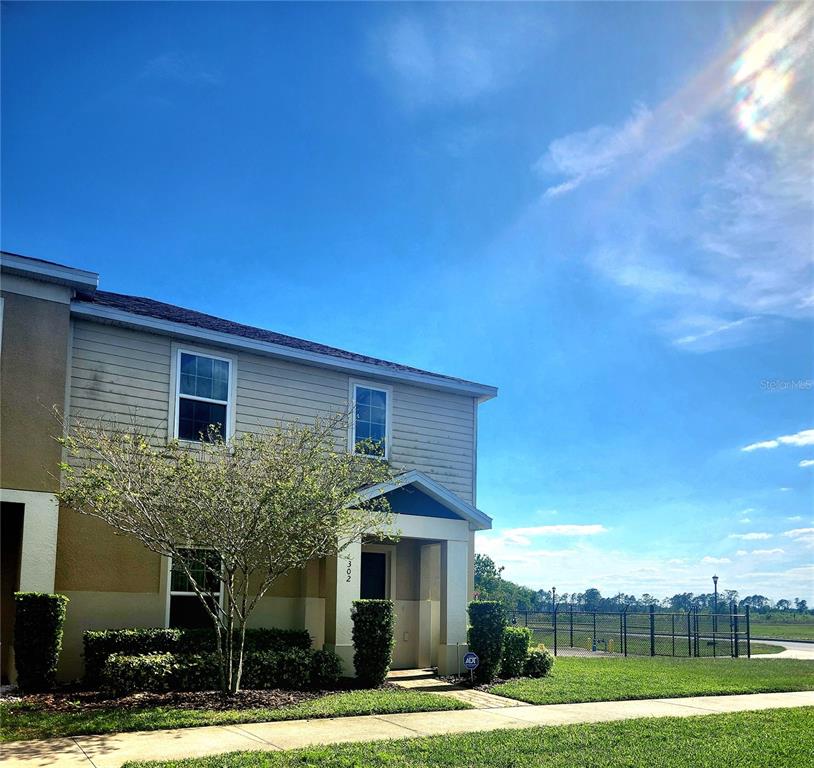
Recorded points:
(19, 722)
(783, 630)
(775, 738)
(590, 679)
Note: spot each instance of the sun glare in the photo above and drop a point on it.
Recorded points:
(764, 71)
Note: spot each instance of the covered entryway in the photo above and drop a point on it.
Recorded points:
(427, 572)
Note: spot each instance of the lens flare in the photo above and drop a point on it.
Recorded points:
(764, 72)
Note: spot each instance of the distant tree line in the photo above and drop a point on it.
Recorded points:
(490, 585)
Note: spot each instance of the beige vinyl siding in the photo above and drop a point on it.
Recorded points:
(116, 371)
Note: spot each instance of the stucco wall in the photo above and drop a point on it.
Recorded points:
(33, 369)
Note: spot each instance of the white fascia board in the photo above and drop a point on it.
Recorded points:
(99, 313)
(478, 520)
(54, 273)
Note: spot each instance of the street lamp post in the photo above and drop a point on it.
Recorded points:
(715, 615)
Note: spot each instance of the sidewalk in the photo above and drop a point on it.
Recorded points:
(112, 750)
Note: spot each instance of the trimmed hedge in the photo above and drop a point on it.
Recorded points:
(38, 623)
(373, 625)
(292, 668)
(515, 651)
(539, 663)
(99, 645)
(125, 674)
(487, 620)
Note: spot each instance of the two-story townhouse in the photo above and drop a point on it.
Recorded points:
(92, 353)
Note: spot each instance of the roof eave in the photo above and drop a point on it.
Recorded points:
(79, 279)
(91, 311)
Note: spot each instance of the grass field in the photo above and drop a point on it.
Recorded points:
(776, 738)
(20, 722)
(783, 629)
(575, 679)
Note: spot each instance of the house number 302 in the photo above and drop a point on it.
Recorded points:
(348, 571)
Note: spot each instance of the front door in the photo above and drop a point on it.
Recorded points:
(374, 576)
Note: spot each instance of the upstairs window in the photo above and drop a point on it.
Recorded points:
(370, 428)
(203, 395)
(185, 608)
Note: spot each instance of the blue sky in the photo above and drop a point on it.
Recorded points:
(603, 209)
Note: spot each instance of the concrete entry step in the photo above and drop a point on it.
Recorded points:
(426, 680)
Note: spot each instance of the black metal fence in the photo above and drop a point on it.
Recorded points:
(570, 632)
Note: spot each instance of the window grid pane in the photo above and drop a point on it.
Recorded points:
(371, 421)
(198, 561)
(204, 377)
(195, 417)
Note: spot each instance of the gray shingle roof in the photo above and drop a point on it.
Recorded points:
(158, 309)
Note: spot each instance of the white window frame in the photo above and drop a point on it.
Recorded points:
(175, 390)
(354, 384)
(177, 593)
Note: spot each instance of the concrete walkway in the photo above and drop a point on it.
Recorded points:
(425, 680)
(794, 650)
(113, 750)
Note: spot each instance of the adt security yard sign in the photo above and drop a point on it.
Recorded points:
(471, 661)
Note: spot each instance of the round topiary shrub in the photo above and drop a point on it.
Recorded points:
(487, 620)
(39, 619)
(373, 625)
(539, 663)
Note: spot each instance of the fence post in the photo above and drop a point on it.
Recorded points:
(652, 630)
(695, 633)
(571, 627)
(673, 631)
(593, 642)
(689, 636)
(621, 635)
(554, 615)
(748, 634)
(735, 614)
(625, 614)
(527, 618)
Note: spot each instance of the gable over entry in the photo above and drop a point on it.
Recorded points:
(428, 573)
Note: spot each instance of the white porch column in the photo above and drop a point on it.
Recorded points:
(454, 591)
(344, 583)
(39, 546)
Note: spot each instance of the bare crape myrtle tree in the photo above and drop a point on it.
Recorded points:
(266, 503)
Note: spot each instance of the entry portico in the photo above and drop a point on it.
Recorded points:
(426, 573)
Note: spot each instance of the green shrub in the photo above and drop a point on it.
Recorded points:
(515, 651)
(197, 672)
(257, 640)
(99, 645)
(39, 619)
(290, 668)
(539, 663)
(185, 642)
(123, 674)
(326, 669)
(487, 621)
(373, 624)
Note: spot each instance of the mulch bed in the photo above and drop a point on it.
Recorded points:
(73, 699)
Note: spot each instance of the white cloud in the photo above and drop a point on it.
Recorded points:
(807, 463)
(798, 439)
(741, 552)
(797, 532)
(745, 520)
(454, 54)
(750, 536)
(768, 552)
(589, 154)
(715, 560)
(524, 535)
(795, 518)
